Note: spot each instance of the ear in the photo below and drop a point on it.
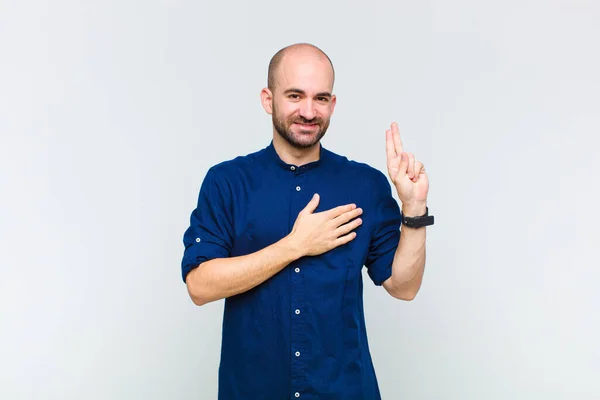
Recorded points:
(266, 98)
(333, 102)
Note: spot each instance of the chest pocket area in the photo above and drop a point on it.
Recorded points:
(260, 225)
(350, 255)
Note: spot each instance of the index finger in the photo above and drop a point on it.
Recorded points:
(339, 210)
(397, 140)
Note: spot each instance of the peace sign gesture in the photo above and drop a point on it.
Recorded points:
(407, 174)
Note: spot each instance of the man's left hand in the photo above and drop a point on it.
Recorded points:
(407, 174)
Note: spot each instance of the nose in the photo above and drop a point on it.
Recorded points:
(307, 110)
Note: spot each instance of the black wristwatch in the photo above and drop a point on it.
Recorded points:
(418, 222)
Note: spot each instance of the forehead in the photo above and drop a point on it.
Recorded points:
(306, 71)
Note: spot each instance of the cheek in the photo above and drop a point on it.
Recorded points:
(325, 111)
(285, 112)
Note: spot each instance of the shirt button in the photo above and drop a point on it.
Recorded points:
(297, 394)
(297, 311)
(197, 240)
(297, 354)
(293, 168)
(297, 269)
(298, 188)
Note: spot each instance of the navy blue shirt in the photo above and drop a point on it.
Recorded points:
(301, 334)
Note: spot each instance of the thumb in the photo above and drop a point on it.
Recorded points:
(312, 204)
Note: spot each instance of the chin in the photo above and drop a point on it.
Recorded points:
(300, 138)
(305, 140)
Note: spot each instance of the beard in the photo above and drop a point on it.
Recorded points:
(305, 138)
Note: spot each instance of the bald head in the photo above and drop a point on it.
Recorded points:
(298, 52)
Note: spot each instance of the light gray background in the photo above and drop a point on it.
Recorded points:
(112, 111)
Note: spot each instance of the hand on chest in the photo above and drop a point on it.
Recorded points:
(268, 215)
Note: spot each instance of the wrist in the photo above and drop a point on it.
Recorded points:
(291, 247)
(414, 209)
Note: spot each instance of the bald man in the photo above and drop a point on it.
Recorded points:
(282, 234)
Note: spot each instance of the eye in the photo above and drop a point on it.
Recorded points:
(323, 99)
(293, 96)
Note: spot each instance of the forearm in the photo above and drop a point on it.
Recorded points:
(224, 277)
(409, 260)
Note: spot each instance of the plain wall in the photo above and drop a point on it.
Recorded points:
(111, 112)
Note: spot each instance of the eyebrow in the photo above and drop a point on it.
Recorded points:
(294, 90)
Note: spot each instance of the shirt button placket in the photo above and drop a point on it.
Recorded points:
(297, 306)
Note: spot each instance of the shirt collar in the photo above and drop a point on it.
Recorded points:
(273, 156)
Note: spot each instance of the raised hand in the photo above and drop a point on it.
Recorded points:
(407, 174)
(316, 233)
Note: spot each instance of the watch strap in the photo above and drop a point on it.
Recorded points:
(418, 222)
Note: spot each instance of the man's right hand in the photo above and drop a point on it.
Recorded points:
(312, 234)
(316, 233)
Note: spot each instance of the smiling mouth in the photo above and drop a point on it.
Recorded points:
(306, 125)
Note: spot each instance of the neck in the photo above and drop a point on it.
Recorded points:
(293, 155)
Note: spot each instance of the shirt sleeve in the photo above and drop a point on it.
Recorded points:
(209, 234)
(386, 231)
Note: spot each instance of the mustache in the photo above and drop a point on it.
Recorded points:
(302, 120)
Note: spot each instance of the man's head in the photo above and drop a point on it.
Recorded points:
(299, 94)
